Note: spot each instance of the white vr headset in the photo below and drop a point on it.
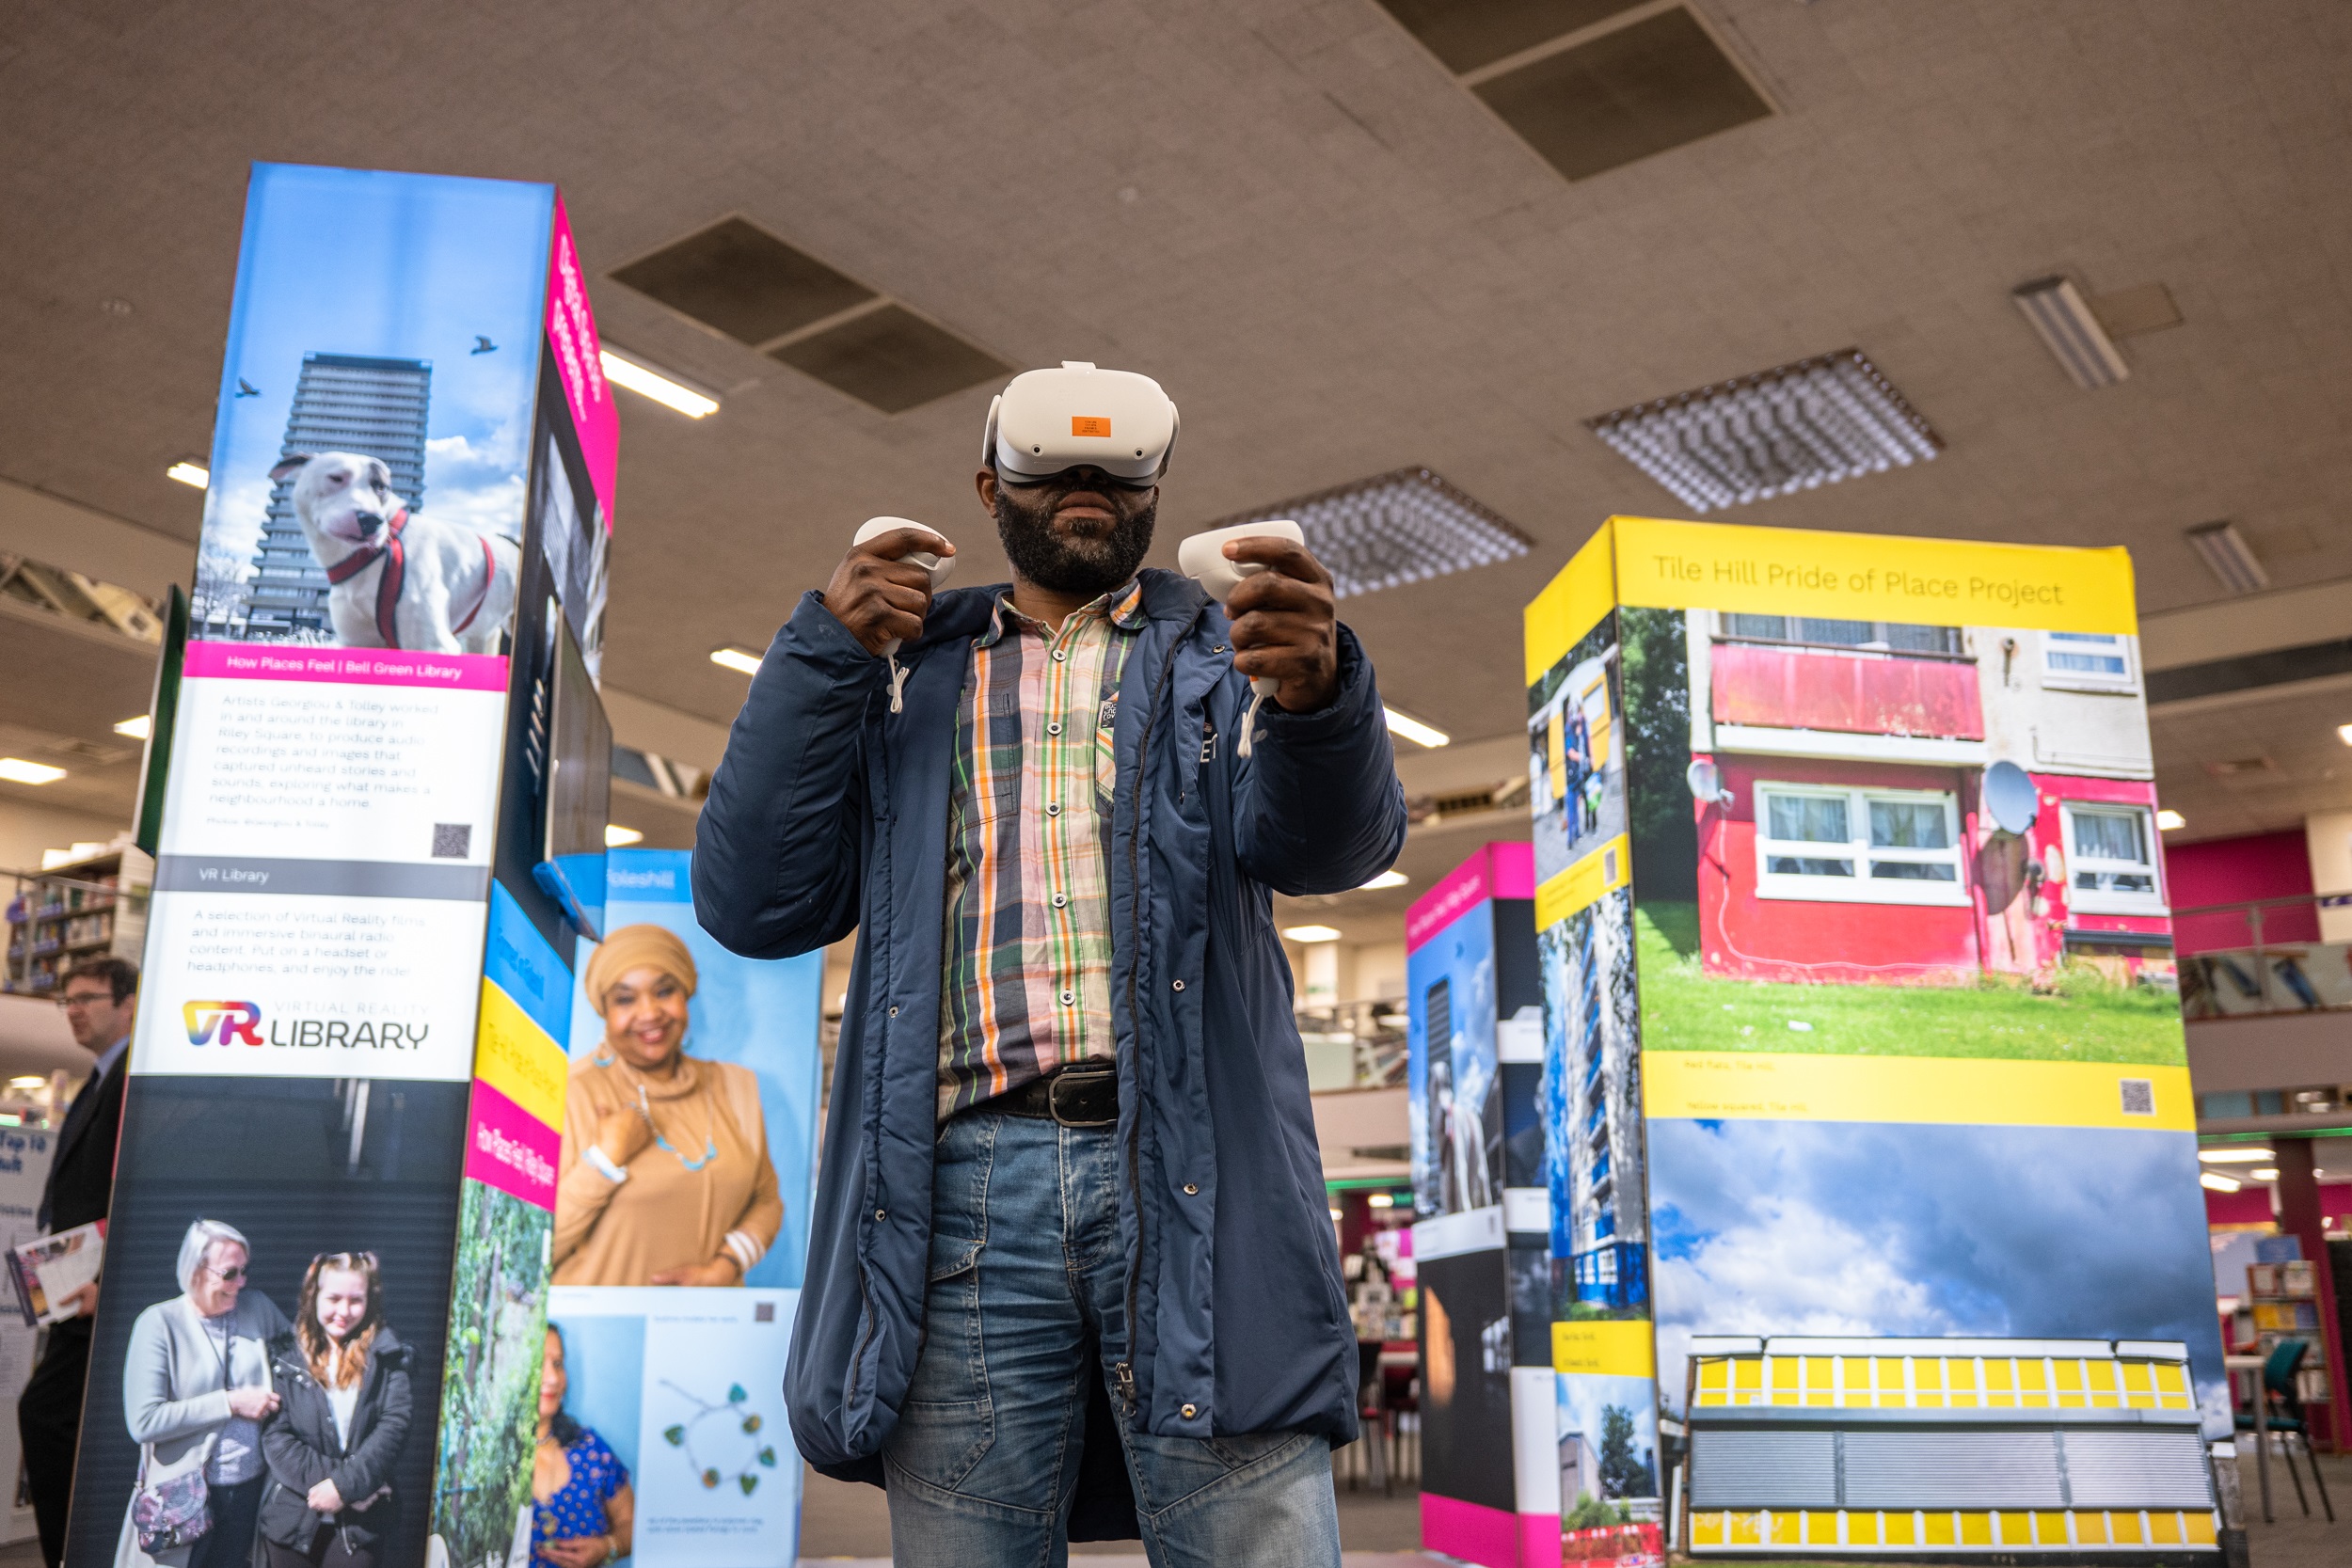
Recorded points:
(1047, 422)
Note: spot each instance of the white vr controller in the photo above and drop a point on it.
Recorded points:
(941, 568)
(1202, 559)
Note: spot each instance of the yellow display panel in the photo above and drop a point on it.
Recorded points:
(1609, 1347)
(1862, 577)
(1935, 1381)
(1972, 1532)
(517, 1057)
(1605, 870)
(1943, 1090)
(1571, 604)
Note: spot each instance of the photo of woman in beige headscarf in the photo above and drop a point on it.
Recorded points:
(665, 1178)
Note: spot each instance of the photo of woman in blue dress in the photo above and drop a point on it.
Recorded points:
(582, 1509)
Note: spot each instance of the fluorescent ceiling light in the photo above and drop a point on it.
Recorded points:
(29, 1081)
(647, 382)
(2072, 334)
(2214, 1181)
(1385, 879)
(742, 660)
(2344, 732)
(2268, 1173)
(2169, 819)
(618, 837)
(1312, 933)
(137, 728)
(2229, 557)
(1381, 1200)
(190, 473)
(1393, 528)
(1793, 427)
(2229, 1155)
(18, 770)
(1429, 735)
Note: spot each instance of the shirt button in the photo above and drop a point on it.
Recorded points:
(881, 1213)
(1054, 728)
(1061, 899)
(1190, 1411)
(894, 1012)
(1191, 1191)
(1180, 985)
(1061, 653)
(1053, 808)
(1068, 997)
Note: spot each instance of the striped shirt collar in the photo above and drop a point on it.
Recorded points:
(1123, 607)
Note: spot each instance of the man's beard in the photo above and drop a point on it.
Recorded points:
(1064, 563)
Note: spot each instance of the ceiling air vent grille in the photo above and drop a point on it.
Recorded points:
(1394, 529)
(1590, 84)
(1467, 35)
(891, 358)
(1794, 427)
(743, 281)
(738, 279)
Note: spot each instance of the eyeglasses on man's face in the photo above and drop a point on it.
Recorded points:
(86, 999)
(229, 1276)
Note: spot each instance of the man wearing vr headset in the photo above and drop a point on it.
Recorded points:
(1070, 1276)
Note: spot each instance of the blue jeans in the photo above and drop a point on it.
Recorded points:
(1027, 1279)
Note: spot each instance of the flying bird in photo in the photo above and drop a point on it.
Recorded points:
(247, 390)
(483, 345)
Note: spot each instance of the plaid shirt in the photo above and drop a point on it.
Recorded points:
(1027, 947)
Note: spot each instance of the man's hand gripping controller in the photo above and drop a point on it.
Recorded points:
(1202, 559)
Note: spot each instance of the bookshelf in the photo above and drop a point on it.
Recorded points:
(78, 910)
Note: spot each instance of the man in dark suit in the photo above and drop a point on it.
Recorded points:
(100, 997)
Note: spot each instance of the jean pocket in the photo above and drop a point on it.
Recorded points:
(948, 1369)
(952, 1255)
(1243, 1450)
(948, 1423)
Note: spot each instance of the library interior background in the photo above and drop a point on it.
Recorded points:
(1850, 504)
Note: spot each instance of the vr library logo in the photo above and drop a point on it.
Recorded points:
(233, 1022)
(239, 1023)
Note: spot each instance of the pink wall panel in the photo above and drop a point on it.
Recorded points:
(2235, 870)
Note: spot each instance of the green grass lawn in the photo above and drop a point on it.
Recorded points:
(2088, 1019)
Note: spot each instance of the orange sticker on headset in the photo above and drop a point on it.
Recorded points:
(1090, 424)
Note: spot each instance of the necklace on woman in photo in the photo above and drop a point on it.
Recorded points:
(711, 1134)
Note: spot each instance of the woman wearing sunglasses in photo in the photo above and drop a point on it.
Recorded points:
(344, 1374)
(195, 1388)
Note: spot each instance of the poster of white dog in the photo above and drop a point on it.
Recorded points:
(397, 579)
(369, 463)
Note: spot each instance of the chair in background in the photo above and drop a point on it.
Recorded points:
(2286, 1418)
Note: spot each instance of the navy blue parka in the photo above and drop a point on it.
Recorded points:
(830, 813)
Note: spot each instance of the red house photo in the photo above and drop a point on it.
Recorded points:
(1840, 775)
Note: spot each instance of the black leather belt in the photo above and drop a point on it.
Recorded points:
(1084, 1094)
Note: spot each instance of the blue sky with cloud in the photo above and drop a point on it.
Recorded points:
(406, 266)
(1899, 1230)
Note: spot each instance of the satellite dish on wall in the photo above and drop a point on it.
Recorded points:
(2010, 798)
(1706, 782)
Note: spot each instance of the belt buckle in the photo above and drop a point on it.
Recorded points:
(1078, 1080)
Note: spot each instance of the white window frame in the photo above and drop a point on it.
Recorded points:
(2094, 900)
(1860, 888)
(2091, 680)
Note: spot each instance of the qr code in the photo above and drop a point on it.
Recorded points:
(2139, 1096)
(763, 1311)
(452, 841)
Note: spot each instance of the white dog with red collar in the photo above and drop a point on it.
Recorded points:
(398, 581)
